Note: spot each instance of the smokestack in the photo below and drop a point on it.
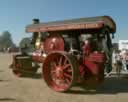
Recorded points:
(36, 21)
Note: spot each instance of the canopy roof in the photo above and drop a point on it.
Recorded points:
(74, 24)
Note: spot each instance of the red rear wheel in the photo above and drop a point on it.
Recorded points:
(59, 71)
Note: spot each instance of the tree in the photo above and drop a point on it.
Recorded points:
(6, 40)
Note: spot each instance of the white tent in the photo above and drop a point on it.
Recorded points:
(123, 44)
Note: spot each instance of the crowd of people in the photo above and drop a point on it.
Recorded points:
(120, 58)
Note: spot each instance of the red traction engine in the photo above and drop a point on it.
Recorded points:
(73, 51)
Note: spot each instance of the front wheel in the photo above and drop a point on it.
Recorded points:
(60, 71)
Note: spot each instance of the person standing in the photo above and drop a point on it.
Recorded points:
(123, 56)
(126, 59)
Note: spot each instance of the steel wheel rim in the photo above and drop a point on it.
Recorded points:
(58, 72)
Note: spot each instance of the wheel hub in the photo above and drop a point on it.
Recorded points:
(59, 72)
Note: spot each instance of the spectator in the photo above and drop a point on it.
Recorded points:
(116, 59)
(123, 56)
(126, 58)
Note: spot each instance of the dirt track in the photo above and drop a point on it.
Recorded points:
(13, 89)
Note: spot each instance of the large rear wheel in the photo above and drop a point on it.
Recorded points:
(60, 71)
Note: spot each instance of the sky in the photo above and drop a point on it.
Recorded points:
(15, 15)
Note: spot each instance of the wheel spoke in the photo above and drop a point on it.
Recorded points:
(60, 82)
(67, 75)
(53, 72)
(65, 61)
(60, 60)
(67, 81)
(53, 65)
(66, 66)
(54, 77)
(69, 70)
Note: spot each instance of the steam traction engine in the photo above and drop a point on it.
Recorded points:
(71, 51)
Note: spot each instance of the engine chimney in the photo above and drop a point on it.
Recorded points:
(36, 21)
(35, 34)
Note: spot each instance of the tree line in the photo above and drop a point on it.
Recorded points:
(6, 42)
